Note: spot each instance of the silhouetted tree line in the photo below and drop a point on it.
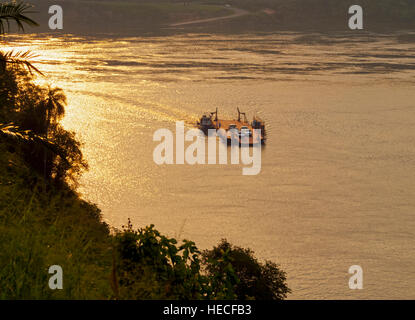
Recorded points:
(30, 113)
(148, 265)
(29, 116)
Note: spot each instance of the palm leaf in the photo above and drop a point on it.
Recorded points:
(20, 58)
(17, 12)
(14, 133)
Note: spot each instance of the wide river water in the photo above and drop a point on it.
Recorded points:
(337, 185)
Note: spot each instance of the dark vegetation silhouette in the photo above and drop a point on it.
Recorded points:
(30, 115)
(249, 278)
(43, 221)
(152, 266)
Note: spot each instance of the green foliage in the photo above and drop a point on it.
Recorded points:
(236, 270)
(149, 265)
(152, 266)
(41, 228)
(43, 223)
(36, 111)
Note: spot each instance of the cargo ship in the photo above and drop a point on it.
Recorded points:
(239, 130)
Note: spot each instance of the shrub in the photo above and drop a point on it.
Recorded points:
(148, 265)
(253, 279)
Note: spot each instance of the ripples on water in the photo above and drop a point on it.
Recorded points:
(337, 181)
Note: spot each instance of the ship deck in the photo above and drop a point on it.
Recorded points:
(224, 124)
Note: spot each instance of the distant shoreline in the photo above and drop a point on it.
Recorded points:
(162, 17)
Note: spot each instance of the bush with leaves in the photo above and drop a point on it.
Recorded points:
(236, 270)
(148, 265)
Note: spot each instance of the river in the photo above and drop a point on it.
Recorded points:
(337, 185)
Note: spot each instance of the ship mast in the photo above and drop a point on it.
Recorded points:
(239, 116)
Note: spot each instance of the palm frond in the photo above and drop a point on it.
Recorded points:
(14, 133)
(20, 58)
(17, 12)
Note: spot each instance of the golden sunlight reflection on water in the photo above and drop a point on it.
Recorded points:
(337, 180)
